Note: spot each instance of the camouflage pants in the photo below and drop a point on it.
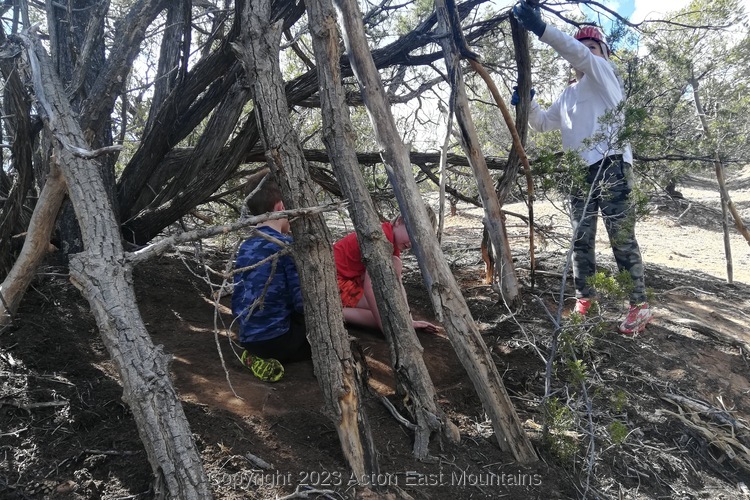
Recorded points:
(611, 184)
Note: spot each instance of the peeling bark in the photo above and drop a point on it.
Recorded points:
(335, 367)
(175, 41)
(493, 219)
(413, 380)
(129, 34)
(446, 296)
(17, 111)
(104, 277)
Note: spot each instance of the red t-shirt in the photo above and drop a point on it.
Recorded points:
(348, 257)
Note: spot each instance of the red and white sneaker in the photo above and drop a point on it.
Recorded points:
(582, 306)
(638, 317)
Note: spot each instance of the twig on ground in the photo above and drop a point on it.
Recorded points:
(15, 433)
(109, 452)
(701, 407)
(691, 288)
(256, 460)
(725, 441)
(33, 406)
(399, 418)
(690, 205)
(308, 492)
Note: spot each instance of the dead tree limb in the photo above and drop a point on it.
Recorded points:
(445, 294)
(413, 379)
(521, 48)
(726, 201)
(163, 245)
(104, 278)
(35, 246)
(336, 369)
(493, 218)
(129, 33)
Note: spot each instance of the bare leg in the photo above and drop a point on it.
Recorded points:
(367, 316)
(364, 314)
(360, 316)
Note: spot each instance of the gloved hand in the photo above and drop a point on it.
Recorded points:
(515, 98)
(529, 17)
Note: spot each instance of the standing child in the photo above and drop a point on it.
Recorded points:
(267, 299)
(578, 114)
(355, 285)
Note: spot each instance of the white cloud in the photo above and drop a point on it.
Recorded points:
(613, 5)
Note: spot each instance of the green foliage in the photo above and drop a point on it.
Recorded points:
(558, 172)
(618, 432)
(614, 287)
(708, 61)
(618, 286)
(619, 400)
(577, 335)
(559, 438)
(632, 118)
(404, 23)
(620, 36)
(577, 371)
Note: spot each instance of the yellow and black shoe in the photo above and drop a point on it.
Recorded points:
(266, 369)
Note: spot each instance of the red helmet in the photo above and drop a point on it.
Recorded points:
(593, 33)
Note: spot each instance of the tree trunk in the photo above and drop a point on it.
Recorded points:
(174, 42)
(523, 63)
(726, 201)
(188, 104)
(204, 88)
(17, 111)
(77, 50)
(412, 379)
(336, 369)
(493, 218)
(447, 300)
(35, 246)
(105, 280)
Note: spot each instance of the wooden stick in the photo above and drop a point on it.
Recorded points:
(519, 150)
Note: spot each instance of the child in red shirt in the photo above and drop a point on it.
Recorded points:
(355, 285)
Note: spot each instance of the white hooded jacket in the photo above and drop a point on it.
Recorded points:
(577, 110)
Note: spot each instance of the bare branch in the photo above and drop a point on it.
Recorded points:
(165, 244)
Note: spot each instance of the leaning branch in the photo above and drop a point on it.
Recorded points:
(162, 246)
(99, 273)
(89, 154)
(520, 152)
(374, 158)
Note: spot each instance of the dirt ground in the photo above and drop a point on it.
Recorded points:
(669, 409)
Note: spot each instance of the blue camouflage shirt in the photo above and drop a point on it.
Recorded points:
(265, 297)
